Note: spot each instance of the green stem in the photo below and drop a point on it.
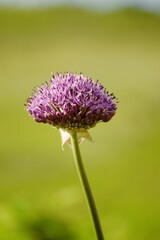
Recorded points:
(86, 187)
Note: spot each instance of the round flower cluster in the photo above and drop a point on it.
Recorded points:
(71, 101)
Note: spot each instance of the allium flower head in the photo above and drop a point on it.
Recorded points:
(71, 102)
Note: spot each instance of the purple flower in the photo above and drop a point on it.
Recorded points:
(71, 101)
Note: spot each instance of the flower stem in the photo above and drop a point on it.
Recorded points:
(86, 187)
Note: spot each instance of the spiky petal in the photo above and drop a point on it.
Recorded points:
(71, 101)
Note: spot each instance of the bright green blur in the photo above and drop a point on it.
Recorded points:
(37, 178)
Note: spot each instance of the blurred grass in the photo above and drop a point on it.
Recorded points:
(122, 50)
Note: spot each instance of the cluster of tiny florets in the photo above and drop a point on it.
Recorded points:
(71, 101)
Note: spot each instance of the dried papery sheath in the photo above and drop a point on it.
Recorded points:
(81, 135)
(71, 102)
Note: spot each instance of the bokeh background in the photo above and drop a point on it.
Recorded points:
(40, 193)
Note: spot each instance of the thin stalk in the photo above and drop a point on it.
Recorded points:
(86, 187)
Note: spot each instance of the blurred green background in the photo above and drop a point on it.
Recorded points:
(40, 193)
